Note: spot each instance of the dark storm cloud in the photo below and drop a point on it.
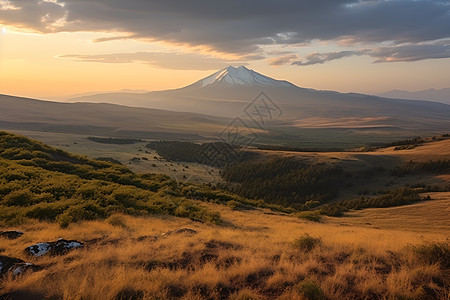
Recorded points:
(241, 27)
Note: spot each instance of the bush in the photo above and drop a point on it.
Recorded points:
(46, 211)
(314, 215)
(19, 198)
(117, 221)
(306, 242)
(85, 211)
(310, 290)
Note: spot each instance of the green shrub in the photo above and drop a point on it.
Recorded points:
(85, 211)
(314, 215)
(46, 211)
(117, 221)
(19, 198)
(306, 242)
(310, 290)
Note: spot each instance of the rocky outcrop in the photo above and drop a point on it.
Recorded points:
(59, 247)
(12, 234)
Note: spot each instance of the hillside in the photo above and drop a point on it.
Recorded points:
(104, 119)
(41, 182)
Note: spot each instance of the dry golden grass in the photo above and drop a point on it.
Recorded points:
(254, 258)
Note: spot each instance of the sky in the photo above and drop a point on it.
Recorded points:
(52, 49)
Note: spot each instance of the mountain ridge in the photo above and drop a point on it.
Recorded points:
(435, 95)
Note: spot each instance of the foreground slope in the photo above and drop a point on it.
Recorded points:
(262, 256)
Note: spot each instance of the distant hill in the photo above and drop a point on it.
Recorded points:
(442, 95)
(104, 119)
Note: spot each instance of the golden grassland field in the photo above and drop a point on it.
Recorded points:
(259, 255)
(149, 236)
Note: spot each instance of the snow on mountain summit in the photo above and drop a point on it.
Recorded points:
(239, 76)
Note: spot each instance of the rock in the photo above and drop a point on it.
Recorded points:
(24, 267)
(12, 234)
(15, 266)
(38, 249)
(59, 247)
(180, 231)
(63, 246)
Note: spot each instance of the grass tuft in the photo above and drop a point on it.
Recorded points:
(306, 242)
(433, 253)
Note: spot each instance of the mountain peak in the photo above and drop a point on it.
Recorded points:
(239, 76)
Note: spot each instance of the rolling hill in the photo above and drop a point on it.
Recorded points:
(104, 119)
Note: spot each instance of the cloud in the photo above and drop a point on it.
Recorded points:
(395, 53)
(320, 58)
(171, 60)
(240, 27)
(282, 60)
(411, 52)
(41, 16)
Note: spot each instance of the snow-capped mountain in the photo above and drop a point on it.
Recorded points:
(239, 76)
(232, 91)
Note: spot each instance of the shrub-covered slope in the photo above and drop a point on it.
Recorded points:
(38, 181)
